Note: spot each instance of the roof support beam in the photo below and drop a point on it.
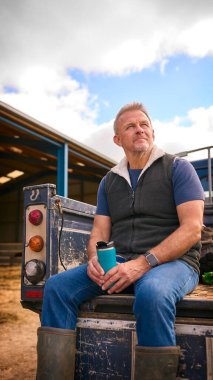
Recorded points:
(62, 171)
(94, 161)
(25, 129)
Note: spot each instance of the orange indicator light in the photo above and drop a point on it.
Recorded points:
(36, 243)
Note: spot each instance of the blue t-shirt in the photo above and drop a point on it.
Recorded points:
(186, 184)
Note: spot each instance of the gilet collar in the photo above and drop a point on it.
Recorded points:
(122, 167)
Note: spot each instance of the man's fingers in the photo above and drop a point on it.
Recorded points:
(95, 266)
(112, 276)
(94, 272)
(98, 267)
(120, 285)
(110, 273)
(96, 279)
(112, 280)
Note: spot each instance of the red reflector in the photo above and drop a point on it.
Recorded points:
(34, 293)
(35, 217)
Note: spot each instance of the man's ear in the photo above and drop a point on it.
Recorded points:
(116, 140)
(153, 134)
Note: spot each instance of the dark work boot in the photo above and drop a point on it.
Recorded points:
(56, 354)
(156, 363)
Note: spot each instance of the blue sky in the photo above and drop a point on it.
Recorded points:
(72, 65)
(185, 83)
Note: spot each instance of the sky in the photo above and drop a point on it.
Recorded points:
(73, 64)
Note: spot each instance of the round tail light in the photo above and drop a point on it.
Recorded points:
(36, 243)
(35, 217)
(34, 271)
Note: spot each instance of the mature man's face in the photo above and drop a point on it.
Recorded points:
(134, 132)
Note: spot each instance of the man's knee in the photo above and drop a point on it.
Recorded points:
(59, 282)
(51, 285)
(152, 294)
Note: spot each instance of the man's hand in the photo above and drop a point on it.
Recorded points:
(95, 271)
(100, 232)
(125, 274)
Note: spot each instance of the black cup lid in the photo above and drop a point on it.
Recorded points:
(103, 244)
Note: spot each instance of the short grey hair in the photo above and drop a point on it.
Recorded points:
(134, 106)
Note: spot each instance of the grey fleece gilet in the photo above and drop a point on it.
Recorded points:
(141, 220)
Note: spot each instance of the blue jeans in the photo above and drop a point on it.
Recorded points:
(156, 295)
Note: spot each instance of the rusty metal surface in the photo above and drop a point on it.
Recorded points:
(103, 355)
(113, 341)
(204, 292)
(71, 226)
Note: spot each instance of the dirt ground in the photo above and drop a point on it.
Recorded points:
(18, 329)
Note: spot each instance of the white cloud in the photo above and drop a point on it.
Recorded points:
(178, 135)
(182, 134)
(102, 36)
(55, 99)
(40, 41)
(197, 39)
(102, 141)
(61, 102)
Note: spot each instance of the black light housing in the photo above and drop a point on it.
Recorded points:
(34, 271)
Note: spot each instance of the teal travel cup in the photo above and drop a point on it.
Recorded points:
(106, 255)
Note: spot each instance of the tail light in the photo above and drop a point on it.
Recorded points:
(35, 245)
(35, 217)
(34, 271)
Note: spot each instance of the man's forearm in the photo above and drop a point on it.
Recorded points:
(100, 232)
(176, 244)
(190, 215)
(91, 247)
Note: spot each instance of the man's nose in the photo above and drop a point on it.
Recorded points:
(139, 128)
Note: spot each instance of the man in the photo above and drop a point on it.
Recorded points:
(151, 206)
